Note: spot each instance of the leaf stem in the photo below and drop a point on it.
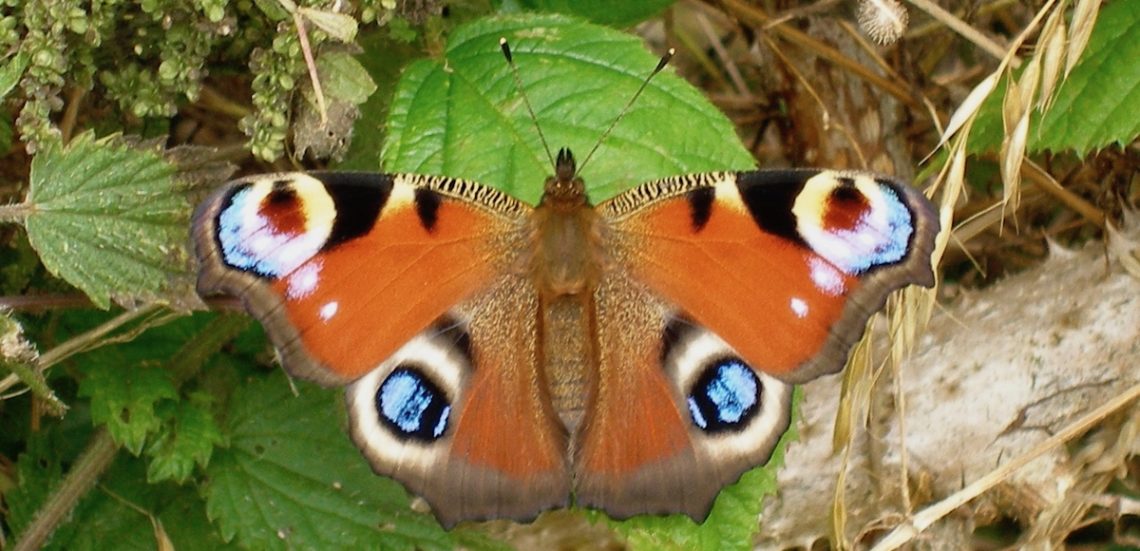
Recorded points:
(14, 213)
(91, 464)
(35, 381)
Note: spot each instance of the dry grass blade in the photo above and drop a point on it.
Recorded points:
(1051, 57)
(1084, 17)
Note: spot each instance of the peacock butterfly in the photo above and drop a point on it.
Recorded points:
(499, 358)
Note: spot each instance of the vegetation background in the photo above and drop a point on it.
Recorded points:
(125, 422)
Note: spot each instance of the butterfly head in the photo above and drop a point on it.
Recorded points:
(565, 188)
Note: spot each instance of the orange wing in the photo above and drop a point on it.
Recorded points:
(785, 266)
(342, 269)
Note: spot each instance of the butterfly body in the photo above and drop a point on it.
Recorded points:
(498, 358)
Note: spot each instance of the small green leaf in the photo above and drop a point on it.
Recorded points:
(124, 397)
(463, 117)
(344, 78)
(605, 12)
(338, 25)
(189, 439)
(291, 479)
(11, 72)
(111, 221)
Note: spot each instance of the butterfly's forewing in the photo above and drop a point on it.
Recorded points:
(785, 266)
(407, 288)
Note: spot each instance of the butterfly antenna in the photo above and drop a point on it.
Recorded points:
(660, 65)
(522, 92)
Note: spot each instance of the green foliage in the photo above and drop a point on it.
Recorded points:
(291, 479)
(461, 116)
(1098, 105)
(605, 12)
(124, 397)
(188, 439)
(107, 218)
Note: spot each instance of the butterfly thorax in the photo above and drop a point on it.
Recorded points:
(568, 251)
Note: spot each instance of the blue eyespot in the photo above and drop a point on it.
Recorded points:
(412, 406)
(725, 397)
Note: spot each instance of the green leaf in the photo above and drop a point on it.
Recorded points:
(344, 78)
(292, 480)
(11, 72)
(124, 397)
(123, 510)
(605, 12)
(1099, 104)
(1096, 106)
(463, 117)
(110, 220)
(340, 26)
(188, 440)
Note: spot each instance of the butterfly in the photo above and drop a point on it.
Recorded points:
(501, 359)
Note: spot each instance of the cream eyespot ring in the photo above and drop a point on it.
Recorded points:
(853, 221)
(271, 226)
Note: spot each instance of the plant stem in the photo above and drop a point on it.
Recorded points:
(91, 464)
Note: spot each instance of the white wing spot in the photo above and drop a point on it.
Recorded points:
(826, 277)
(329, 310)
(304, 280)
(800, 307)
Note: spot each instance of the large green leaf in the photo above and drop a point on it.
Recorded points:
(108, 219)
(292, 480)
(462, 116)
(605, 12)
(1098, 105)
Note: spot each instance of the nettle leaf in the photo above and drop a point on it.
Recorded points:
(110, 220)
(605, 12)
(1098, 105)
(292, 480)
(189, 439)
(124, 397)
(462, 116)
(344, 78)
